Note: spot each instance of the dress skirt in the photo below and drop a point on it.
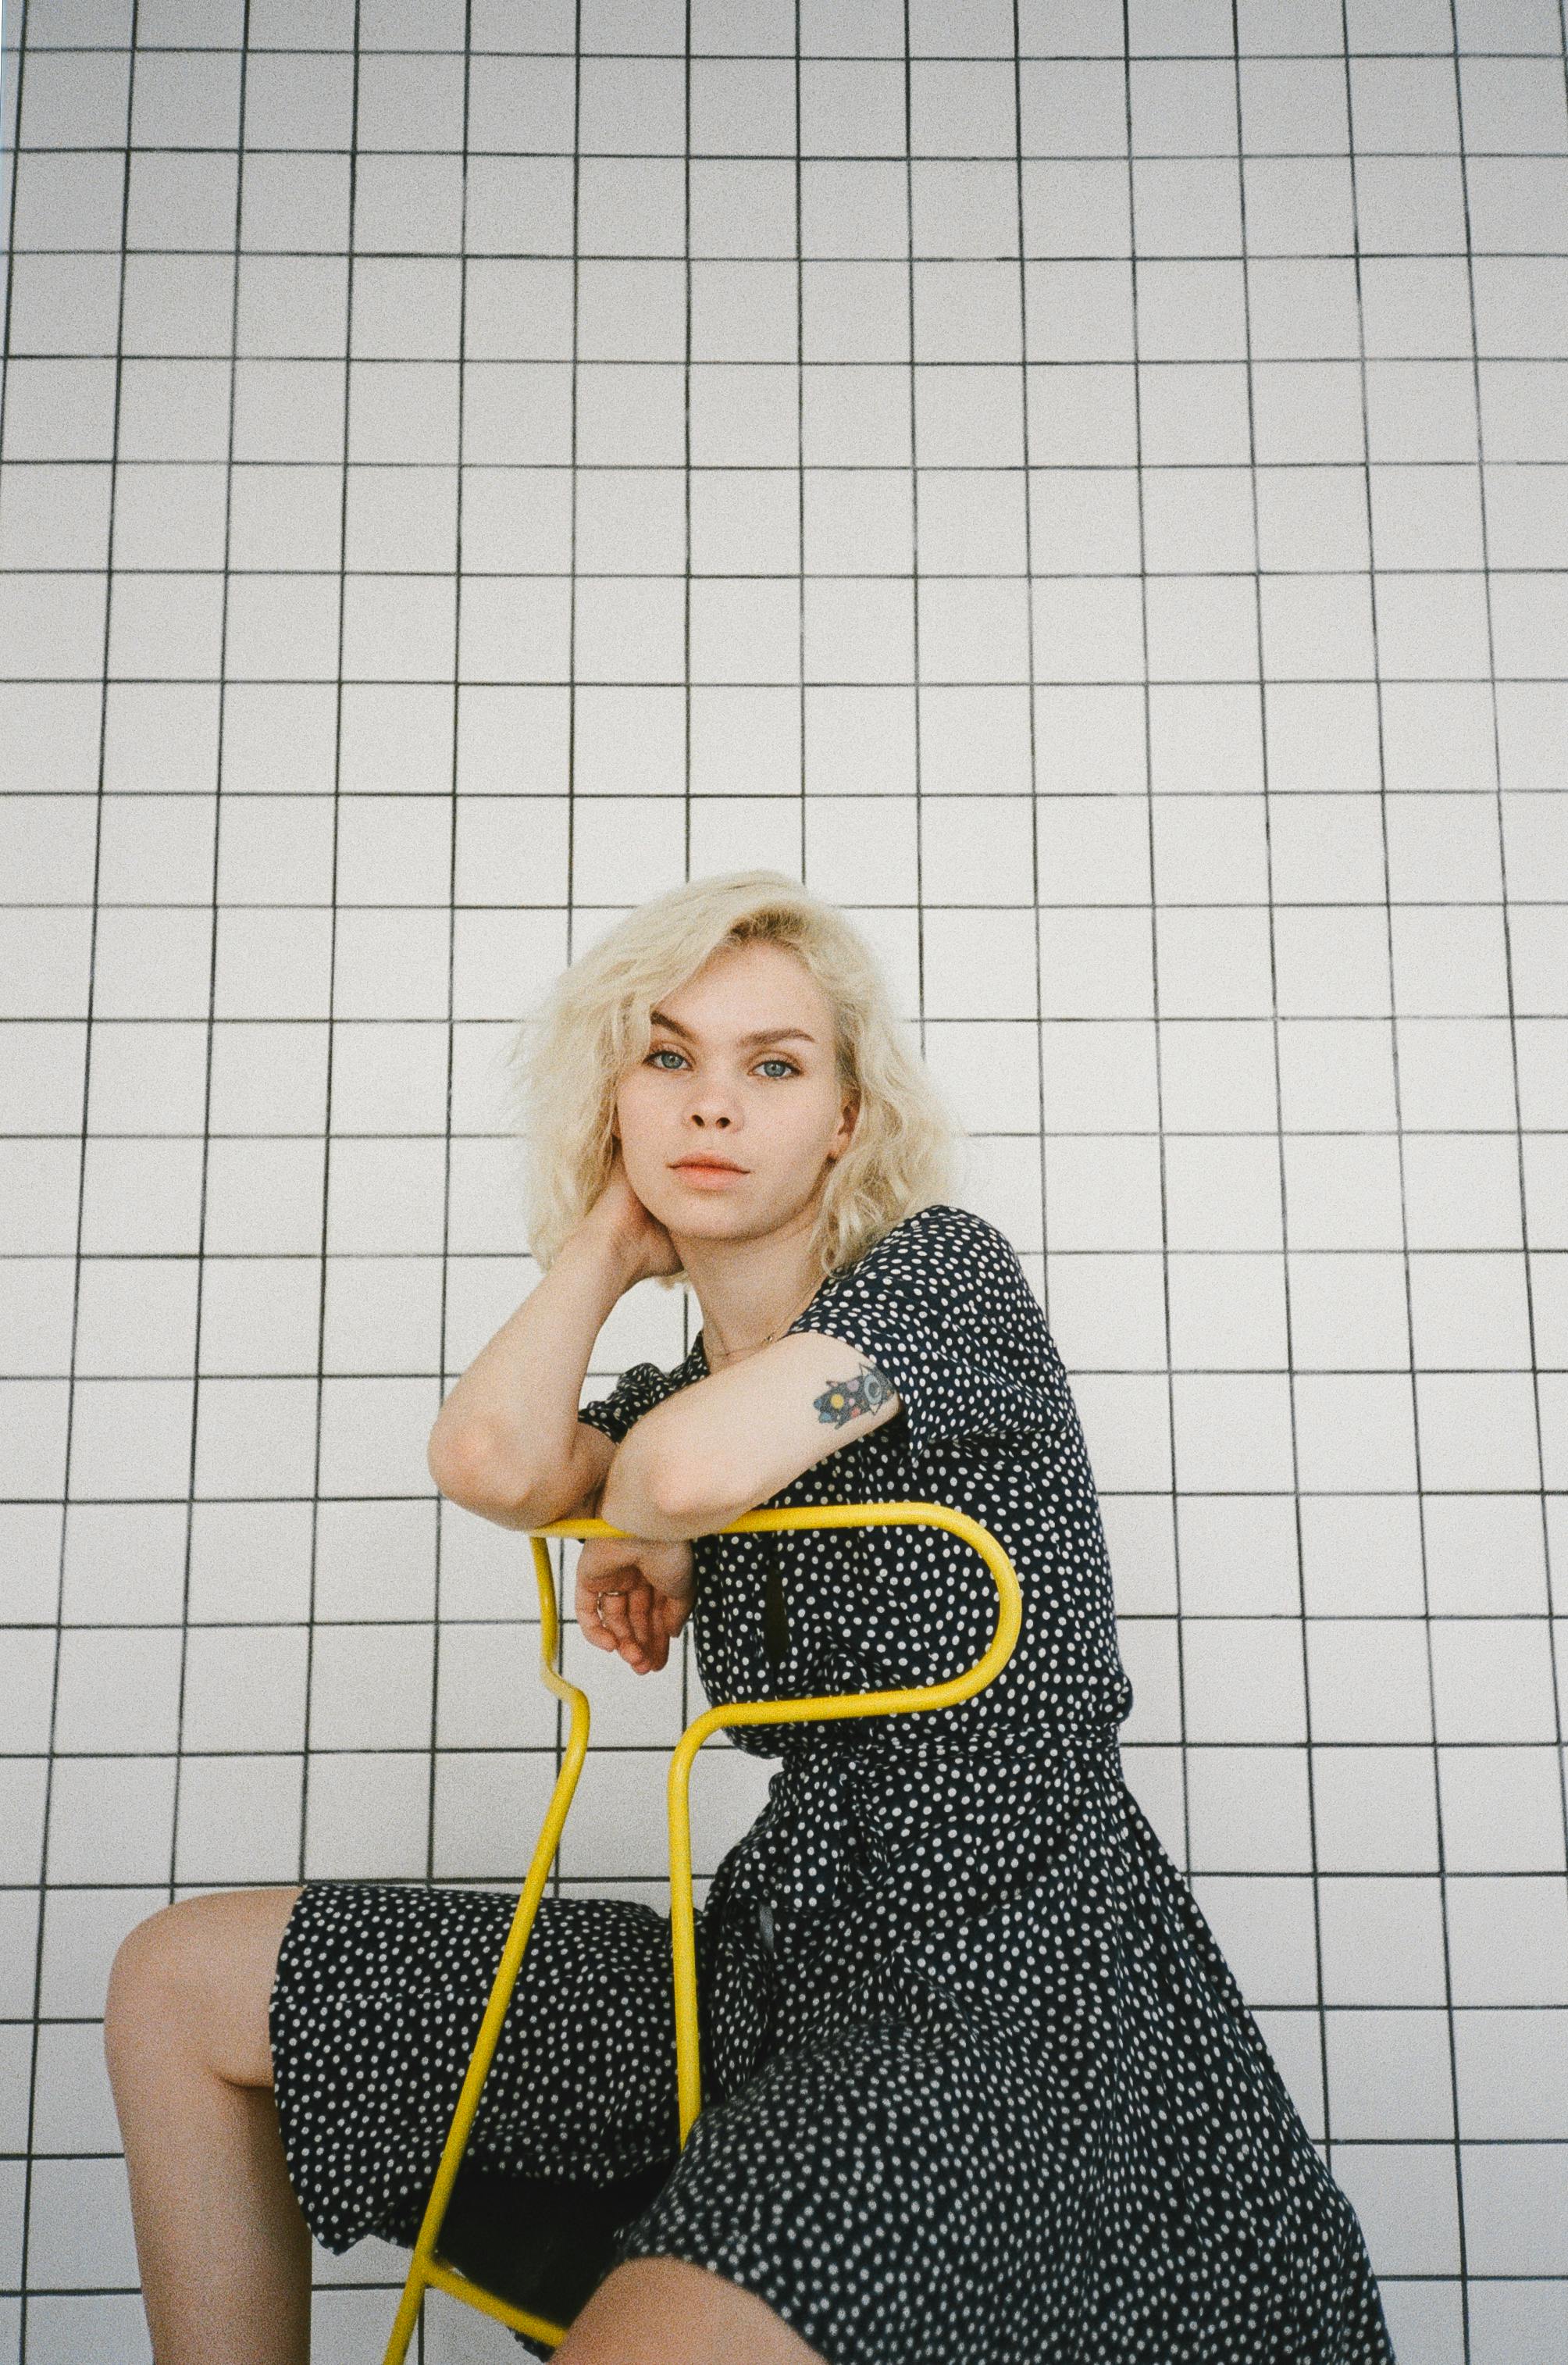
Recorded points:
(979, 2088)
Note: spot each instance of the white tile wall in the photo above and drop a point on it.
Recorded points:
(1087, 487)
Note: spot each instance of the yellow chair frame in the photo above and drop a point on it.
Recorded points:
(428, 2270)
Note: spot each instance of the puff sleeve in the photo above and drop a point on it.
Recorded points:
(942, 1306)
(640, 1387)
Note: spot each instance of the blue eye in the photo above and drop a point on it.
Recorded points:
(668, 1051)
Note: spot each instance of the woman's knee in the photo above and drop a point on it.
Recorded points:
(197, 1977)
(670, 2308)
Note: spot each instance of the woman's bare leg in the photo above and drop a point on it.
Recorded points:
(223, 2249)
(683, 2315)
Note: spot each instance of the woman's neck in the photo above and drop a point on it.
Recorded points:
(750, 1296)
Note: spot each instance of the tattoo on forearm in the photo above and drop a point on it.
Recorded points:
(846, 1398)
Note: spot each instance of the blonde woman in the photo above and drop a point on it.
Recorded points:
(979, 2084)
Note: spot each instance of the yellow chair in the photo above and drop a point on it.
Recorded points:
(428, 2270)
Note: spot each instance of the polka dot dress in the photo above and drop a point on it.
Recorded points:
(979, 2088)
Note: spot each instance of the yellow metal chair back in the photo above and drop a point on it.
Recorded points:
(428, 2270)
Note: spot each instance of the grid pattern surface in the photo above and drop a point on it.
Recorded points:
(1084, 485)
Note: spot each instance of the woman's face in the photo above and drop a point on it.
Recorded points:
(741, 1067)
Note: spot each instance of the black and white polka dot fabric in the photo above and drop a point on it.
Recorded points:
(979, 2088)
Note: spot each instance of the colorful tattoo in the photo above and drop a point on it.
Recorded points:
(845, 1398)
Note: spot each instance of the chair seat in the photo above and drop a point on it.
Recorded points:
(544, 2245)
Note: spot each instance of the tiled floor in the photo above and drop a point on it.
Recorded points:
(1085, 487)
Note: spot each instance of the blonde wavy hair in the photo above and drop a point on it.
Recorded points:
(593, 1025)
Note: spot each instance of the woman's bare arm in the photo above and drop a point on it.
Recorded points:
(509, 1445)
(507, 1441)
(728, 1442)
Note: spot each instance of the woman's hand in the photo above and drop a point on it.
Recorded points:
(633, 1595)
(640, 1240)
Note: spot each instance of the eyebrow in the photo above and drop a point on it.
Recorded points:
(761, 1035)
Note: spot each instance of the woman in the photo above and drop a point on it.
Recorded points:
(979, 2085)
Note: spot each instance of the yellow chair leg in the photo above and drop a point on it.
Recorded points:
(426, 2270)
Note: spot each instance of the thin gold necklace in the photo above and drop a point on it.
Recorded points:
(730, 1355)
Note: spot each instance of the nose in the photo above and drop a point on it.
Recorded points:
(710, 1103)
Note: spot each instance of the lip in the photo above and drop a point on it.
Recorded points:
(708, 1169)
